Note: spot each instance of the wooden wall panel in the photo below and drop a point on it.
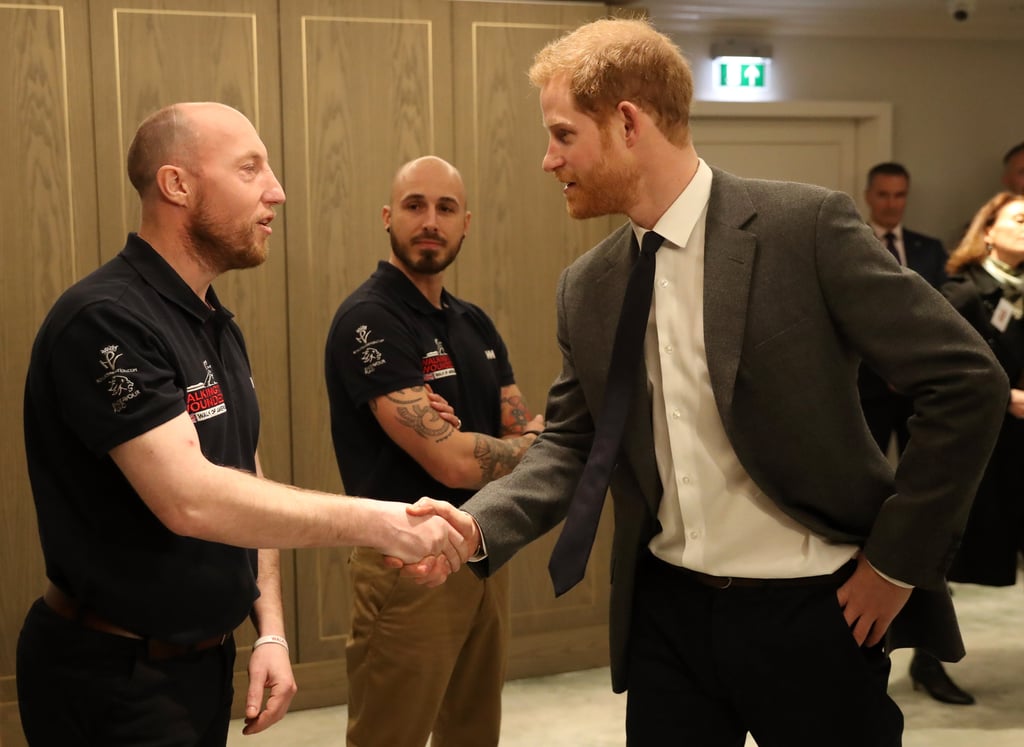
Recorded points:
(49, 239)
(366, 88)
(522, 238)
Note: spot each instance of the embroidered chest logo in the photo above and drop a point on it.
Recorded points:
(437, 364)
(205, 400)
(367, 351)
(118, 381)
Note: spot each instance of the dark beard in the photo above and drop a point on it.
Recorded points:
(428, 264)
(221, 249)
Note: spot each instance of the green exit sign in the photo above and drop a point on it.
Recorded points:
(739, 72)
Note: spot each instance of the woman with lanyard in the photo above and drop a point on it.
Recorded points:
(986, 285)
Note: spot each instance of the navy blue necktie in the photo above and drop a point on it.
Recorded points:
(572, 551)
(890, 244)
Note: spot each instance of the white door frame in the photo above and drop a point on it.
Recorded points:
(872, 121)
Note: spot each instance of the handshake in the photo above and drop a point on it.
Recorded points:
(429, 540)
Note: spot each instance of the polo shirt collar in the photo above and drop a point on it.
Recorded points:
(395, 282)
(163, 278)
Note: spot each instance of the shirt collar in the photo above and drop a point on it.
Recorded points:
(677, 223)
(163, 278)
(395, 282)
(880, 232)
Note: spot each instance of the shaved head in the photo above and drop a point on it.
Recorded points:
(173, 136)
(431, 170)
(167, 136)
(427, 217)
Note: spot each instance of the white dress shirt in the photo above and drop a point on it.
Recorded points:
(896, 231)
(714, 518)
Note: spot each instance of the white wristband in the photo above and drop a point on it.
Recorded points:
(279, 640)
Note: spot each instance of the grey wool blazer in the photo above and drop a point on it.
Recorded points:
(796, 293)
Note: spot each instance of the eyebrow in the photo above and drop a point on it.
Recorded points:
(251, 155)
(420, 196)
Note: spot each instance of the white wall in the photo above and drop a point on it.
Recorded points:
(957, 107)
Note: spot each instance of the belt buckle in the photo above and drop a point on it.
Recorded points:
(728, 583)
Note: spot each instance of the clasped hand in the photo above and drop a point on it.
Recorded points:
(433, 570)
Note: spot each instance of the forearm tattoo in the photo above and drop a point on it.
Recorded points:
(514, 415)
(422, 418)
(495, 456)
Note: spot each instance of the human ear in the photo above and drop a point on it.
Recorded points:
(631, 123)
(173, 184)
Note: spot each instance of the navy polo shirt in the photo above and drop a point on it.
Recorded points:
(126, 349)
(387, 336)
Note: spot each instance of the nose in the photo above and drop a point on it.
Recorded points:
(552, 160)
(430, 217)
(274, 194)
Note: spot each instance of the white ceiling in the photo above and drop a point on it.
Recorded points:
(987, 19)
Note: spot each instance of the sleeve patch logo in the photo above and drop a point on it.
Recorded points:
(437, 364)
(367, 351)
(205, 400)
(117, 381)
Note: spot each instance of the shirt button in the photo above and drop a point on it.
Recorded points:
(663, 283)
(669, 348)
(686, 480)
(694, 534)
(676, 414)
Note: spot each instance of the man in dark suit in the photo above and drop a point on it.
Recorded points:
(885, 409)
(763, 545)
(888, 187)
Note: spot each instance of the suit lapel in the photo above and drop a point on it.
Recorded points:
(728, 268)
(638, 445)
(610, 285)
(911, 243)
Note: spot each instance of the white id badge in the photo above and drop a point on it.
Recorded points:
(1003, 314)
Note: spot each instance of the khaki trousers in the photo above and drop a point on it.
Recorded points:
(425, 661)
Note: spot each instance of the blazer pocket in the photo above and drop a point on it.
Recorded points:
(780, 336)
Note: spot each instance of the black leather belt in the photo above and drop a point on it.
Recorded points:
(739, 582)
(68, 608)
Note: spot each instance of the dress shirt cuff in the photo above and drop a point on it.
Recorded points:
(890, 579)
(481, 553)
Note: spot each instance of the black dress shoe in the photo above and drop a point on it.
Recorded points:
(926, 671)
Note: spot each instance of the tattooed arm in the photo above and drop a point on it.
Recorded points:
(452, 457)
(515, 413)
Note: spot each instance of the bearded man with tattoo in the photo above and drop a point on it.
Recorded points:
(423, 402)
